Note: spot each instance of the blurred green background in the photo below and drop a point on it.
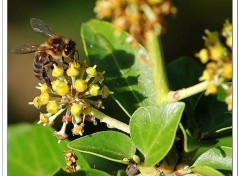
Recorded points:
(183, 37)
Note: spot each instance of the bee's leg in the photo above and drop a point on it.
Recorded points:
(64, 61)
(73, 58)
(46, 78)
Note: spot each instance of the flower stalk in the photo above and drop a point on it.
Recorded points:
(158, 67)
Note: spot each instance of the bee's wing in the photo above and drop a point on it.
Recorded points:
(40, 27)
(24, 49)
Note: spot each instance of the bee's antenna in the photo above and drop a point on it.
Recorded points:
(77, 54)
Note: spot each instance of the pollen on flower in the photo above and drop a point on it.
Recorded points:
(71, 97)
(203, 55)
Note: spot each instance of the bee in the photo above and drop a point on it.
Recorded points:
(55, 49)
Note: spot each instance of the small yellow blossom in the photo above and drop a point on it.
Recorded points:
(44, 98)
(57, 71)
(78, 130)
(211, 89)
(62, 88)
(43, 119)
(105, 92)
(44, 88)
(227, 71)
(229, 41)
(36, 102)
(203, 55)
(91, 71)
(94, 89)
(52, 107)
(81, 85)
(217, 52)
(205, 76)
(72, 71)
(76, 109)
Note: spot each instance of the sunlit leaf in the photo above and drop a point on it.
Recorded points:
(110, 145)
(126, 73)
(153, 130)
(32, 150)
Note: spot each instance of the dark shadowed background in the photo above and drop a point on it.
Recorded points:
(183, 37)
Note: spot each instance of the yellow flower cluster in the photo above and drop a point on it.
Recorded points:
(73, 91)
(135, 16)
(218, 59)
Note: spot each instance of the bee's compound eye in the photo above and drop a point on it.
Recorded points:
(69, 48)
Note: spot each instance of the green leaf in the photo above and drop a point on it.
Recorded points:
(206, 171)
(111, 145)
(82, 172)
(217, 158)
(153, 130)
(127, 75)
(212, 115)
(32, 150)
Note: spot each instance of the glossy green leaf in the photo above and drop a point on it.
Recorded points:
(217, 158)
(206, 171)
(110, 145)
(82, 172)
(126, 73)
(32, 150)
(212, 115)
(153, 130)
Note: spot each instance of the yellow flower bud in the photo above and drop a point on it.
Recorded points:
(43, 118)
(91, 71)
(72, 71)
(205, 76)
(105, 92)
(52, 107)
(87, 110)
(229, 41)
(78, 130)
(43, 98)
(44, 88)
(36, 102)
(55, 84)
(227, 71)
(74, 64)
(57, 71)
(62, 88)
(76, 109)
(81, 85)
(94, 89)
(217, 52)
(211, 89)
(203, 55)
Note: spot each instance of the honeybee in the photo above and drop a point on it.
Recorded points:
(56, 48)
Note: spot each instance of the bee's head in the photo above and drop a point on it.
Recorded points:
(69, 48)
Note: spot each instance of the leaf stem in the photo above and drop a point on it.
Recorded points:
(158, 66)
(111, 122)
(174, 96)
